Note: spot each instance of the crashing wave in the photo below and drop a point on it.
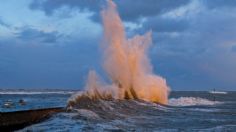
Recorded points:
(127, 65)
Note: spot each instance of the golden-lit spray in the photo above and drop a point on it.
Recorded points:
(127, 65)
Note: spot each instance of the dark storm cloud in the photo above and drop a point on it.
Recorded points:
(28, 33)
(129, 9)
(198, 55)
(204, 31)
(134, 9)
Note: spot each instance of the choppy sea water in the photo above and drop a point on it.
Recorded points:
(187, 111)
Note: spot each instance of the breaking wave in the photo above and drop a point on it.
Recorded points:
(95, 114)
(111, 109)
(217, 92)
(191, 101)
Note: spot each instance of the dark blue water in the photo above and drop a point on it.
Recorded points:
(33, 99)
(187, 111)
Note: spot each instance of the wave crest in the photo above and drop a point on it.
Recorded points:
(191, 101)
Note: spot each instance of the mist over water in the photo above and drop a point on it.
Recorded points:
(126, 63)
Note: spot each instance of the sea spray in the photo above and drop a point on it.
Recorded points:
(126, 63)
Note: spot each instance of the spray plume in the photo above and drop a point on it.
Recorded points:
(127, 64)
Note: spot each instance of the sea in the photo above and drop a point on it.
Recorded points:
(191, 111)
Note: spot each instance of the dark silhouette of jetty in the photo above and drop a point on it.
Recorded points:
(10, 121)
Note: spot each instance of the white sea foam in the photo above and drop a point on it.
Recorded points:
(87, 113)
(190, 101)
(221, 128)
(205, 109)
(217, 92)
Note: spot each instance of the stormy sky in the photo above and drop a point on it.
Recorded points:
(54, 43)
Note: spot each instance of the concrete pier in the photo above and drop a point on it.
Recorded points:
(10, 121)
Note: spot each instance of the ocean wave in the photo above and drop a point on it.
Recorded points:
(205, 110)
(85, 113)
(217, 92)
(191, 101)
(34, 92)
(221, 128)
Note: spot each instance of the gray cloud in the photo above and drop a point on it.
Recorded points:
(134, 9)
(158, 24)
(28, 33)
(3, 23)
(49, 6)
(199, 55)
(129, 9)
(202, 32)
(233, 49)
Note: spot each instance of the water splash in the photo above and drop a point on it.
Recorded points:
(126, 63)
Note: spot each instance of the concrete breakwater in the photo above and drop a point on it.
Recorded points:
(10, 121)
